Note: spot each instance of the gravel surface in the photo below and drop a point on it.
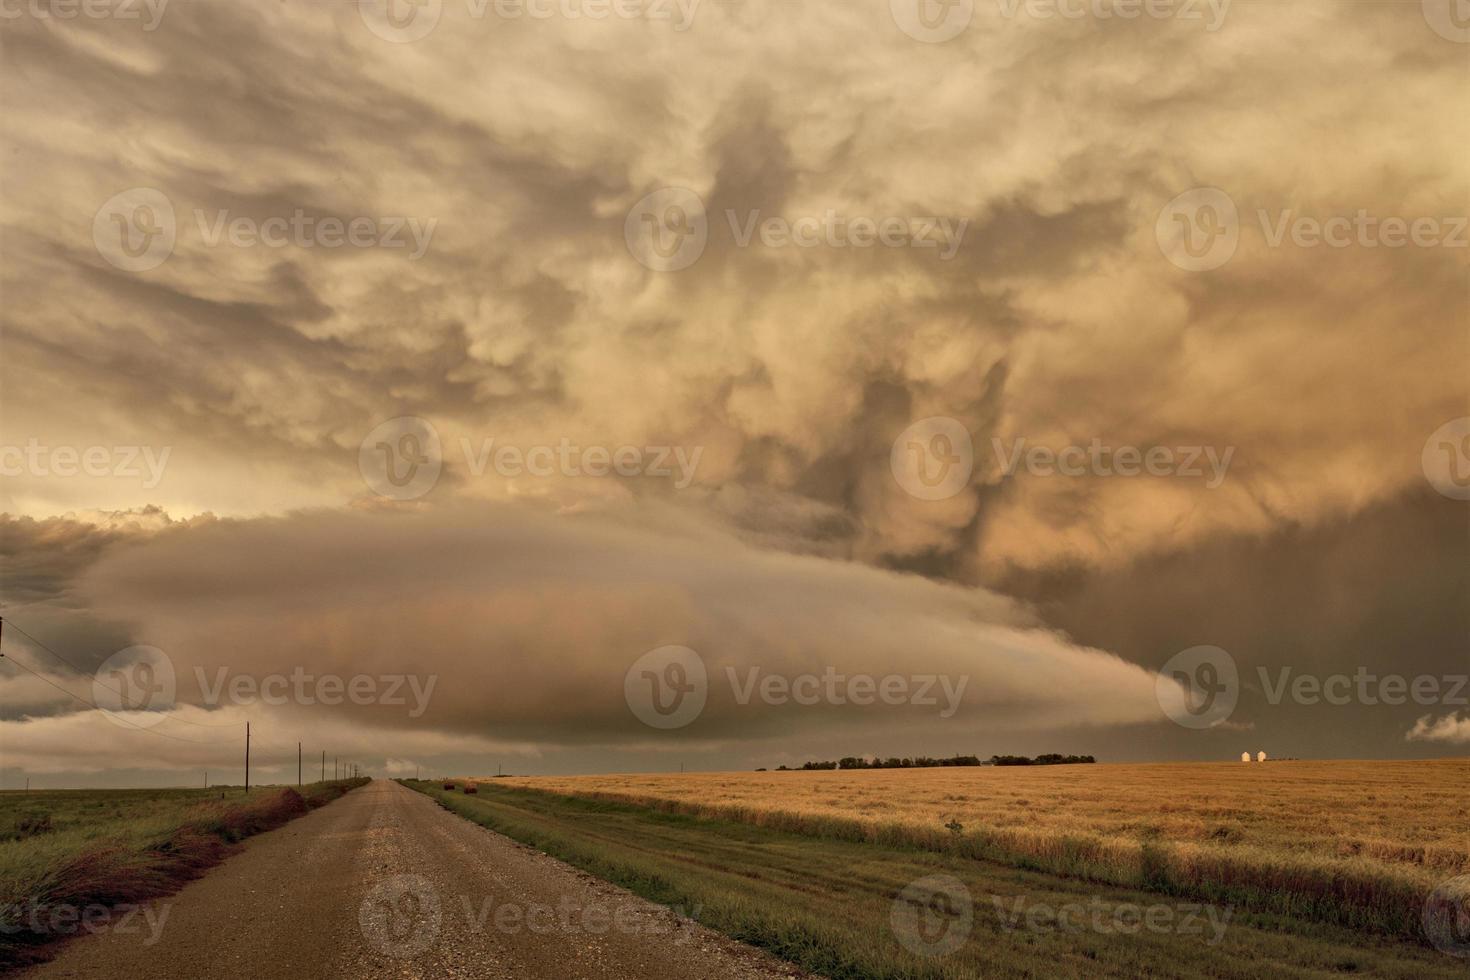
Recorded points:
(385, 883)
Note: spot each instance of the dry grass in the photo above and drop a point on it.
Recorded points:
(827, 905)
(1360, 843)
(83, 848)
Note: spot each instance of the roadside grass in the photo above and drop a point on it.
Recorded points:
(85, 848)
(1358, 844)
(827, 904)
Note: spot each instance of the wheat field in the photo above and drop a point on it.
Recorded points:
(1362, 843)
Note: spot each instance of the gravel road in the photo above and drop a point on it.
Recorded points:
(385, 883)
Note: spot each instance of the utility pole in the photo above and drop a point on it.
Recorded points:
(247, 758)
(324, 765)
(298, 763)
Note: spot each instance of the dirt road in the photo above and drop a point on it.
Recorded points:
(384, 883)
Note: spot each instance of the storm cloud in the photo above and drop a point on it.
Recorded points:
(507, 155)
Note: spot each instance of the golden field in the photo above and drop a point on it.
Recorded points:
(1361, 843)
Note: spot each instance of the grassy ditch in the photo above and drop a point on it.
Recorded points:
(87, 849)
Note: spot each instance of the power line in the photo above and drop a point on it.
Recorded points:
(115, 716)
(96, 680)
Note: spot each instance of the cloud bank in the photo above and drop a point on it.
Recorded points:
(531, 620)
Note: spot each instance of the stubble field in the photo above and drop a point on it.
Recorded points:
(1361, 844)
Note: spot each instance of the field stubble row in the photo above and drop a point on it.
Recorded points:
(1361, 844)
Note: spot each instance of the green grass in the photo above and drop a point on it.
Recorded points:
(826, 904)
(108, 847)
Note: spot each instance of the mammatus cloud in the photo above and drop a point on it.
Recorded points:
(1057, 322)
(1451, 728)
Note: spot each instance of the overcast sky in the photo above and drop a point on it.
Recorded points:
(482, 350)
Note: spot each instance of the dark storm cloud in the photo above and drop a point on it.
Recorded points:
(1386, 592)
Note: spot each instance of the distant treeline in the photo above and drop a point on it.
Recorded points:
(925, 762)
